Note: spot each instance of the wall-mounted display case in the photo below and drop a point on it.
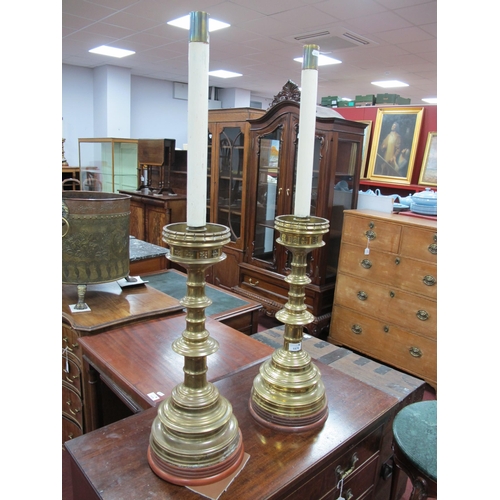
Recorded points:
(108, 164)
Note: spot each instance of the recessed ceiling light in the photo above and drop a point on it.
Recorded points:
(184, 22)
(387, 84)
(322, 60)
(111, 51)
(430, 100)
(222, 73)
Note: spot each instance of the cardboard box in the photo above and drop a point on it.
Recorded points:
(403, 100)
(364, 100)
(330, 101)
(387, 98)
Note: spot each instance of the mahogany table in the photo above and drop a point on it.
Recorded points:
(111, 463)
(138, 364)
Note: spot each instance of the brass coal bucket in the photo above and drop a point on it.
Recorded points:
(95, 239)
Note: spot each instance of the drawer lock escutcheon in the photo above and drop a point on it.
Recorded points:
(366, 263)
(392, 294)
(429, 280)
(342, 474)
(397, 261)
(356, 329)
(386, 329)
(362, 295)
(422, 315)
(433, 248)
(415, 352)
(371, 235)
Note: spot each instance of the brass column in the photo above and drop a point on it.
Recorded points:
(288, 393)
(195, 438)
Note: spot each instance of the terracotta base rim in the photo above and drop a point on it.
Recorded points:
(197, 476)
(309, 423)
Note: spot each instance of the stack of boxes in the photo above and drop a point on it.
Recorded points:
(364, 100)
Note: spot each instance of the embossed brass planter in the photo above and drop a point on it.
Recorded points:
(95, 243)
(288, 393)
(195, 438)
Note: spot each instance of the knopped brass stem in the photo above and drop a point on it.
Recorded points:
(288, 393)
(195, 438)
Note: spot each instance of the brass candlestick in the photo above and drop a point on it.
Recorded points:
(288, 393)
(195, 438)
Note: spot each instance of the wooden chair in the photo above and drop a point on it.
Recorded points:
(415, 449)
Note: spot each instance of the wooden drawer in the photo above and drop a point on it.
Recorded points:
(372, 232)
(390, 269)
(419, 243)
(71, 372)
(385, 342)
(70, 429)
(358, 466)
(70, 341)
(389, 304)
(72, 404)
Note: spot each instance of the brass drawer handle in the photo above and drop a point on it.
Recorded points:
(66, 341)
(429, 280)
(251, 283)
(366, 263)
(356, 329)
(70, 410)
(415, 352)
(362, 295)
(371, 235)
(433, 248)
(342, 474)
(422, 315)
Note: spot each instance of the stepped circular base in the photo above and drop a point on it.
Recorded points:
(288, 424)
(196, 476)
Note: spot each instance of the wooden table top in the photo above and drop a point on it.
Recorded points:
(113, 462)
(139, 359)
(111, 306)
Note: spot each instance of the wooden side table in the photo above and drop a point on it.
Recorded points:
(111, 463)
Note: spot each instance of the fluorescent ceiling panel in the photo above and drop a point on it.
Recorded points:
(184, 22)
(105, 50)
(389, 84)
(222, 73)
(322, 60)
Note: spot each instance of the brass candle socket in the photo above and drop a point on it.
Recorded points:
(288, 393)
(195, 438)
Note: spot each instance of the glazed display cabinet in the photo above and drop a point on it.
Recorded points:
(108, 164)
(271, 192)
(228, 177)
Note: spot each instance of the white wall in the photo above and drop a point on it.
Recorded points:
(154, 112)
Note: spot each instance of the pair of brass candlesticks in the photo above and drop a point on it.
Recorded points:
(195, 438)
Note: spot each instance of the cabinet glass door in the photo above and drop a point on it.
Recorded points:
(230, 185)
(267, 183)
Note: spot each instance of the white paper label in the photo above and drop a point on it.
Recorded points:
(153, 396)
(295, 347)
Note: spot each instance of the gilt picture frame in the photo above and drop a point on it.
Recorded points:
(428, 172)
(394, 145)
(366, 144)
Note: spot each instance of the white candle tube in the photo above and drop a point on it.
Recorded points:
(197, 121)
(307, 131)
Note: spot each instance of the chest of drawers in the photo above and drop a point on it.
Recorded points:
(385, 303)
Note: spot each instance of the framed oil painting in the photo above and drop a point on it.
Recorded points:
(428, 172)
(394, 145)
(366, 143)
